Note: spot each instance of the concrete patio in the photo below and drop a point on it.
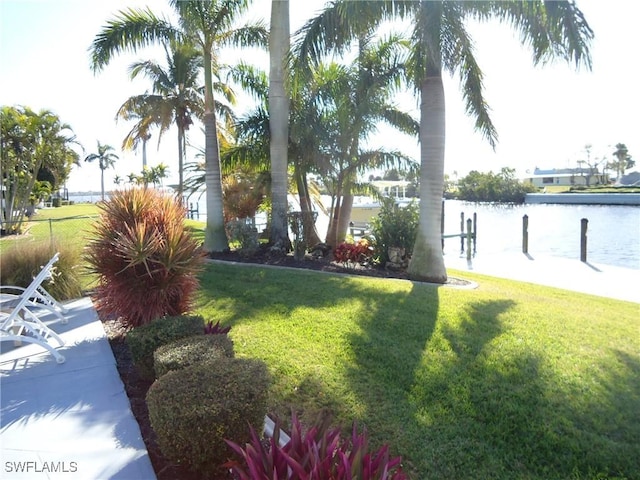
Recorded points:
(70, 420)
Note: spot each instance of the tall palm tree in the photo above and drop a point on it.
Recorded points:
(106, 158)
(209, 25)
(279, 42)
(175, 98)
(440, 42)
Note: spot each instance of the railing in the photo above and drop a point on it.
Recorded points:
(62, 228)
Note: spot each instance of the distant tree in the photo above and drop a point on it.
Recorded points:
(622, 160)
(106, 158)
(392, 175)
(493, 187)
(30, 142)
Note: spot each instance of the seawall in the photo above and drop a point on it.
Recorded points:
(584, 198)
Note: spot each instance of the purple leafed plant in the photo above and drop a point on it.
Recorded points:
(317, 454)
(217, 329)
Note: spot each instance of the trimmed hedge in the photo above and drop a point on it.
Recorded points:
(143, 341)
(194, 410)
(189, 351)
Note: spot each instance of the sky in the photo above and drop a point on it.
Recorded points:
(544, 115)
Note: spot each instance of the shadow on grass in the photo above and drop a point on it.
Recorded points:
(465, 399)
(449, 386)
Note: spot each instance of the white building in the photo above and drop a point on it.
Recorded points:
(567, 177)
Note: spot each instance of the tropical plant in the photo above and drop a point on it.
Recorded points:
(352, 253)
(440, 42)
(208, 25)
(41, 191)
(215, 328)
(355, 99)
(319, 453)
(106, 158)
(30, 144)
(175, 99)
(145, 260)
(395, 226)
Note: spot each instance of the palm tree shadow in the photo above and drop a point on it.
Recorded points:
(430, 359)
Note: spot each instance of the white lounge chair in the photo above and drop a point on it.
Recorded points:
(20, 313)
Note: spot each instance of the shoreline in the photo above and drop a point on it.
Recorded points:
(630, 199)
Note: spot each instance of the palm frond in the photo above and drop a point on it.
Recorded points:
(458, 56)
(129, 31)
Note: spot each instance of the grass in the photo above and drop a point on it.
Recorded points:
(511, 380)
(65, 229)
(507, 381)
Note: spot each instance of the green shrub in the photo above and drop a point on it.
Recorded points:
(394, 226)
(189, 351)
(493, 187)
(22, 261)
(143, 341)
(194, 410)
(244, 235)
(145, 260)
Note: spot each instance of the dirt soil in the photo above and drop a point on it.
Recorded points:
(137, 387)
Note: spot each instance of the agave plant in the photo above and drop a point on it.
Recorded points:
(146, 262)
(317, 454)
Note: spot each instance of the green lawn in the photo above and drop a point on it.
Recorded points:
(507, 381)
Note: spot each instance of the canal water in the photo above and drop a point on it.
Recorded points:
(613, 233)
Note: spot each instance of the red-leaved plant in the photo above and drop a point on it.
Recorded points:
(216, 329)
(351, 254)
(145, 260)
(318, 454)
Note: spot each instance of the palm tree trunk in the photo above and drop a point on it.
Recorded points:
(278, 122)
(427, 261)
(345, 216)
(215, 238)
(332, 231)
(180, 163)
(311, 236)
(102, 181)
(144, 152)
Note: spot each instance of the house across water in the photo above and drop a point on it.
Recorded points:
(567, 177)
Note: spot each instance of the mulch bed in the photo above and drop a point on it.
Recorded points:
(137, 387)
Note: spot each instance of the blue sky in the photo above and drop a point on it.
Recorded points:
(544, 116)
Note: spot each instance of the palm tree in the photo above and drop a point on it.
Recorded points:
(31, 144)
(623, 159)
(207, 24)
(279, 42)
(106, 158)
(440, 42)
(175, 99)
(360, 98)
